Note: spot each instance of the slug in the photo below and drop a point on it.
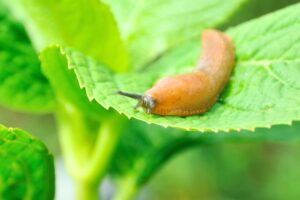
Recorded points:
(195, 92)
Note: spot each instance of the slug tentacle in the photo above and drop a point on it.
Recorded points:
(196, 92)
(145, 101)
(131, 95)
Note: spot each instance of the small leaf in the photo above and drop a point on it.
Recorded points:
(86, 25)
(22, 85)
(26, 167)
(151, 27)
(263, 89)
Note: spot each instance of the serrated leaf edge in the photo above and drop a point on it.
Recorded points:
(202, 130)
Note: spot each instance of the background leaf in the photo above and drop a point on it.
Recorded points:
(86, 25)
(151, 27)
(255, 8)
(143, 149)
(203, 173)
(22, 85)
(26, 167)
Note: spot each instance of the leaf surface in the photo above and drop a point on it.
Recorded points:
(86, 25)
(22, 85)
(151, 27)
(26, 167)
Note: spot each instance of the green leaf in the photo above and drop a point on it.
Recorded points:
(151, 27)
(22, 85)
(86, 25)
(26, 167)
(263, 90)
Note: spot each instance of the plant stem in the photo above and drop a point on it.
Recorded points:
(87, 147)
(127, 188)
(71, 132)
(105, 144)
(86, 191)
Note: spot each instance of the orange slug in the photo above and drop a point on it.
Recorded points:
(196, 92)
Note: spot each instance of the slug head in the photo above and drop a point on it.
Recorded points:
(144, 101)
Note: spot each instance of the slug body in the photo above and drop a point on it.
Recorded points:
(196, 92)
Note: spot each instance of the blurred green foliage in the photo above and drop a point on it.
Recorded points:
(22, 85)
(230, 171)
(232, 165)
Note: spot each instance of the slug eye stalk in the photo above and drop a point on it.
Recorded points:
(130, 95)
(144, 101)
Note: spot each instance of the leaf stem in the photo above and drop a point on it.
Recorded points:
(127, 188)
(85, 191)
(87, 147)
(105, 144)
(71, 131)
